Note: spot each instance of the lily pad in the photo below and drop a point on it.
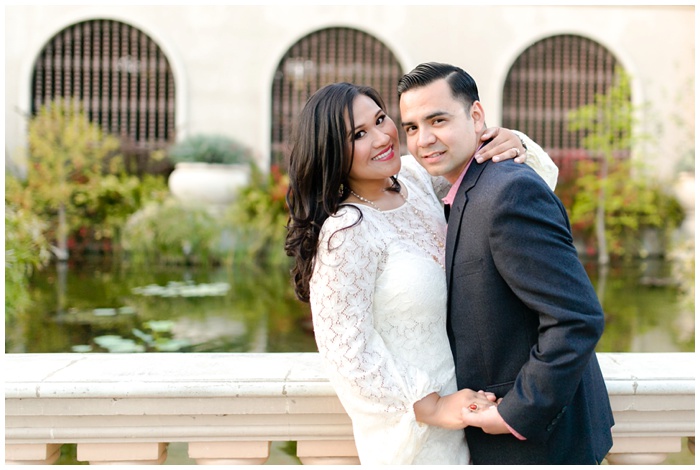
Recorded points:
(162, 326)
(104, 312)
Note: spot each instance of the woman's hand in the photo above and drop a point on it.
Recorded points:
(446, 412)
(504, 146)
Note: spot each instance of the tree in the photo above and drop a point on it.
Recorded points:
(613, 192)
(608, 123)
(66, 157)
(76, 177)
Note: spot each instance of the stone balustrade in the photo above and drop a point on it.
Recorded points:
(229, 407)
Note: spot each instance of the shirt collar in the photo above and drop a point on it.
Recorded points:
(450, 198)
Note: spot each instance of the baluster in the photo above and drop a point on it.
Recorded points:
(327, 453)
(642, 450)
(230, 453)
(32, 454)
(123, 453)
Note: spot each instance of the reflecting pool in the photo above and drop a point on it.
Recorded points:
(103, 306)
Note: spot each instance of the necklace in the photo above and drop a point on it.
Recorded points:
(436, 239)
(367, 200)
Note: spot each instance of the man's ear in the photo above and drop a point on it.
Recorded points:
(478, 116)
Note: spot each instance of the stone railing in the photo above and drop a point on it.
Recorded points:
(229, 407)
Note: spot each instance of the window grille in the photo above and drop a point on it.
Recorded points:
(119, 75)
(550, 78)
(323, 57)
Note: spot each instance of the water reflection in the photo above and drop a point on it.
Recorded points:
(103, 306)
(643, 311)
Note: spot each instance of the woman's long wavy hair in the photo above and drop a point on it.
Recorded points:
(318, 172)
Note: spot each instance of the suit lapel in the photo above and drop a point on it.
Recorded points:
(456, 213)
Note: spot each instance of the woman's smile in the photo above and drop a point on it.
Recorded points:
(387, 154)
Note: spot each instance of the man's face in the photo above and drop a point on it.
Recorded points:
(441, 134)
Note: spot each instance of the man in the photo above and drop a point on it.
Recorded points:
(523, 318)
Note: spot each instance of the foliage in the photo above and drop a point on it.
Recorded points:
(634, 201)
(116, 197)
(608, 121)
(615, 197)
(172, 233)
(206, 148)
(66, 154)
(26, 250)
(251, 230)
(75, 178)
(259, 218)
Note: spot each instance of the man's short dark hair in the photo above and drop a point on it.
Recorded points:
(461, 83)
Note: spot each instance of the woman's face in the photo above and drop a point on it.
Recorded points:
(376, 144)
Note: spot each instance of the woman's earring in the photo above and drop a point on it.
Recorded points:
(341, 190)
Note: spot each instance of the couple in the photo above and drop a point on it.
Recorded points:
(488, 323)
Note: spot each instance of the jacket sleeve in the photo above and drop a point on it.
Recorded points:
(533, 251)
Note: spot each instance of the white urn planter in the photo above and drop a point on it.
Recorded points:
(207, 183)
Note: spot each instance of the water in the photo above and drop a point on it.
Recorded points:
(102, 306)
(107, 307)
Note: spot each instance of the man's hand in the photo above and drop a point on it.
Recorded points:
(488, 419)
(446, 411)
(504, 146)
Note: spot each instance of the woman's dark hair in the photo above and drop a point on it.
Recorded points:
(319, 165)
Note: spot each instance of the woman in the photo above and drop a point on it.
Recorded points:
(367, 232)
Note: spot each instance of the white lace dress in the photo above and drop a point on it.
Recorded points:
(378, 298)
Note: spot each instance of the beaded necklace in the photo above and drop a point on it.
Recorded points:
(417, 213)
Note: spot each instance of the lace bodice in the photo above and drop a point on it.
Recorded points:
(378, 298)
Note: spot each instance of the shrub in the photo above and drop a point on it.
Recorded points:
(259, 219)
(26, 249)
(171, 233)
(205, 148)
(251, 230)
(634, 202)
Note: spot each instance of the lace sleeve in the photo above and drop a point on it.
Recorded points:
(540, 161)
(367, 377)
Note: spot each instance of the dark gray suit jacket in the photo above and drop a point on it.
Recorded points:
(524, 320)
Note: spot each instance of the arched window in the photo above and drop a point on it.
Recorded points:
(323, 57)
(551, 77)
(119, 75)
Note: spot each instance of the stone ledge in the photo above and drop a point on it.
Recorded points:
(209, 398)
